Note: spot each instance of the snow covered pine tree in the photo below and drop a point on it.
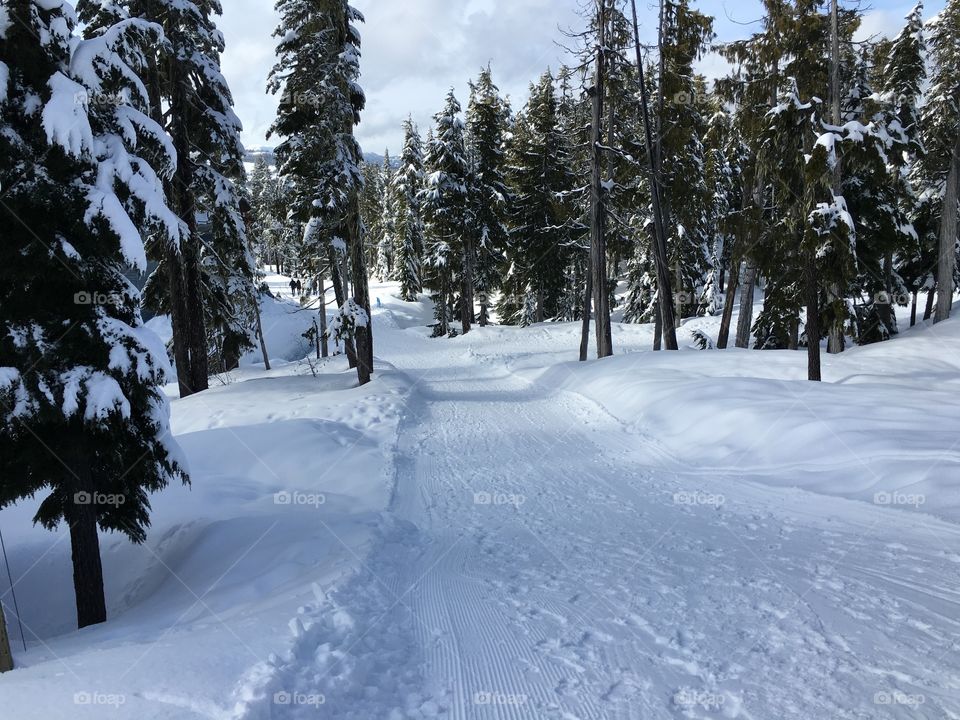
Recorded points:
(318, 73)
(82, 414)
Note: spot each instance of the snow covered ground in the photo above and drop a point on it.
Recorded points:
(491, 530)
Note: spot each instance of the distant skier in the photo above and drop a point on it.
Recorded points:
(379, 304)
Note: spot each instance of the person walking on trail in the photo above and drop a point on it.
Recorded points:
(293, 287)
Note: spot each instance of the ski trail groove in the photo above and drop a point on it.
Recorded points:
(536, 564)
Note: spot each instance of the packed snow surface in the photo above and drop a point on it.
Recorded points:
(492, 530)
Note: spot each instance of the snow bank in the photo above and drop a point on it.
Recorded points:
(882, 427)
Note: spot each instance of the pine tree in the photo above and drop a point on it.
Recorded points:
(386, 260)
(317, 73)
(83, 418)
(407, 184)
(539, 175)
(941, 137)
(208, 286)
(682, 160)
(444, 201)
(487, 118)
(901, 72)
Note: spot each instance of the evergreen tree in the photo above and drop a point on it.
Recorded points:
(83, 418)
(941, 137)
(487, 117)
(318, 72)
(386, 260)
(539, 175)
(682, 161)
(208, 287)
(407, 185)
(444, 201)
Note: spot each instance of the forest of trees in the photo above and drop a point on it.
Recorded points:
(124, 191)
(822, 171)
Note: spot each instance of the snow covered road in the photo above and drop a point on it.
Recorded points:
(505, 534)
(544, 562)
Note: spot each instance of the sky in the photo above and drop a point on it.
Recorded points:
(414, 51)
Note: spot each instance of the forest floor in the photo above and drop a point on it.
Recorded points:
(492, 530)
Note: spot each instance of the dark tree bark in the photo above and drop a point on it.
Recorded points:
(666, 314)
(745, 322)
(173, 259)
(885, 306)
(835, 337)
(6, 655)
(190, 250)
(179, 321)
(361, 296)
(466, 285)
(931, 296)
(587, 310)
(598, 240)
(81, 516)
(729, 299)
(260, 338)
(947, 259)
(812, 299)
(324, 341)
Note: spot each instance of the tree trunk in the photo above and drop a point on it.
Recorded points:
(324, 340)
(199, 370)
(263, 342)
(6, 655)
(81, 516)
(173, 258)
(931, 295)
(598, 249)
(585, 320)
(361, 296)
(835, 337)
(913, 309)
(745, 322)
(466, 284)
(885, 310)
(813, 316)
(948, 239)
(666, 315)
(179, 321)
(657, 327)
(729, 299)
(190, 250)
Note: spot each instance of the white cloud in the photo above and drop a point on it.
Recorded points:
(415, 50)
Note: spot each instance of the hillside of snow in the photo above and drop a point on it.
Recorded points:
(493, 530)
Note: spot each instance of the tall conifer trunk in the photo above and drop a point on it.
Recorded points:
(81, 516)
(947, 259)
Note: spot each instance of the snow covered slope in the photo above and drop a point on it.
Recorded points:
(491, 530)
